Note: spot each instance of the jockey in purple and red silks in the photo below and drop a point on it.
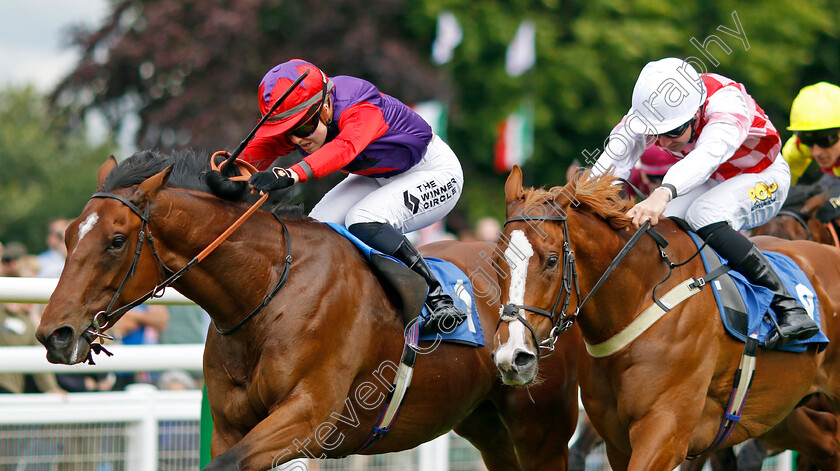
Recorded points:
(401, 178)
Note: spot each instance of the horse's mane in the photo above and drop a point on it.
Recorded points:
(189, 170)
(601, 195)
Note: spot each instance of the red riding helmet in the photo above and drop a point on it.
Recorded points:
(301, 104)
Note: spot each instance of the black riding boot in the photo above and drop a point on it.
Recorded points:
(794, 321)
(383, 237)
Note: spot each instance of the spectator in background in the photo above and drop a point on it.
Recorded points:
(10, 262)
(458, 224)
(52, 259)
(187, 325)
(139, 326)
(487, 229)
(17, 328)
(176, 380)
(647, 175)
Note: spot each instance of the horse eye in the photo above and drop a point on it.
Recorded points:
(552, 261)
(117, 242)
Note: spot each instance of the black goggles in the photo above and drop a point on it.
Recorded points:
(824, 138)
(678, 131)
(309, 124)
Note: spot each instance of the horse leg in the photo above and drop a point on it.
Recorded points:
(695, 464)
(723, 460)
(618, 460)
(289, 426)
(541, 432)
(587, 440)
(752, 454)
(657, 443)
(486, 431)
(813, 433)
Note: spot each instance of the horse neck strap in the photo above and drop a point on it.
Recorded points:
(643, 321)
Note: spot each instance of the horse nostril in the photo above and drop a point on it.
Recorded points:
(523, 358)
(61, 337)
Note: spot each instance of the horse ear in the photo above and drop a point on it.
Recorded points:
(814, 203)
(513, 185)
(149, 188)
(104, 170)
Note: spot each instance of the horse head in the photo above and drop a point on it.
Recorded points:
(151, 212)
(104, 254)
(540, 281)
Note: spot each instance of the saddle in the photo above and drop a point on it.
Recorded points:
(408, 290)
(745, 307)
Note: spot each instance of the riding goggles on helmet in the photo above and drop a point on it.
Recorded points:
(824, 138)
(678, 131)
(309, 124)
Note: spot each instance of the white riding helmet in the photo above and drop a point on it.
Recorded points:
(667, 94)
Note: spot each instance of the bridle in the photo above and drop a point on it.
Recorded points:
(564, 321)
(559, 324)
(101, 320)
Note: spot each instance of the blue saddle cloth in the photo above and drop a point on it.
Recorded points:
(757, 299)
(454, 282)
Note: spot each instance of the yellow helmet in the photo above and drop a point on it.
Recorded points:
(816, 107)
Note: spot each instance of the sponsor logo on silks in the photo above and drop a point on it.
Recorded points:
(433, 194)
(834, 202)
(411, 202)
(762, 195)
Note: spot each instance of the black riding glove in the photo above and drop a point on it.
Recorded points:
(275, 178)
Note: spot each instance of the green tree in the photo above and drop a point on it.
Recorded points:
(191, 68)
(48, 167)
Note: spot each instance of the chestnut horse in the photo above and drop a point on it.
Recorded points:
(660, 397)
(306, 376)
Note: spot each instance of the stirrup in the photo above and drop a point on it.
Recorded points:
(442, 315)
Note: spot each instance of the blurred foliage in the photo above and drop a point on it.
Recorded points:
(191, 68)
(49, 169)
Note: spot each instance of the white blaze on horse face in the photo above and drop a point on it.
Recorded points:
(86, 226)
(518, 256)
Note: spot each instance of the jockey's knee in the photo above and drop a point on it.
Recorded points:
(704, 213)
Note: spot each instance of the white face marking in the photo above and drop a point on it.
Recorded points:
(518, 255)
(86, 226)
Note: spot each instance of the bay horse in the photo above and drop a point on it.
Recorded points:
(801, 223)
(660, 397)
(305, 377)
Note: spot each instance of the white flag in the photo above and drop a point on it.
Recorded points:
(521, 52)
(449, 36)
